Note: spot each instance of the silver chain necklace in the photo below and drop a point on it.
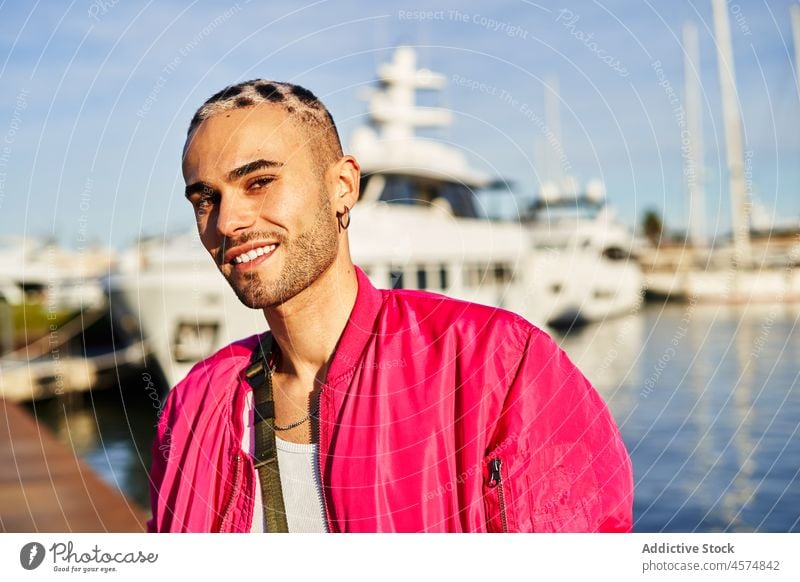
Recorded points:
(297, 422)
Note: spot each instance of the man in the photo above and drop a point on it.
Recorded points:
(383, 410)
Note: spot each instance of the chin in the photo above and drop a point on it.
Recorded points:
(255, 298)
(256, 295)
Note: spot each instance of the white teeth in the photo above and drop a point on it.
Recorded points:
(252, 254)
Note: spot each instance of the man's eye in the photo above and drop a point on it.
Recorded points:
(261, 182)
(204, 202)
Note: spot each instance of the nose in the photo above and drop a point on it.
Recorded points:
(234, 215)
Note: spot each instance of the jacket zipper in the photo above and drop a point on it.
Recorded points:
(320, 464)
(234, 487)
(496, 480)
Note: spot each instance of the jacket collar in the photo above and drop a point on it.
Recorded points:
(360, 327)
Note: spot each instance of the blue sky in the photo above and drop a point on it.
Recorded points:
(97, 95)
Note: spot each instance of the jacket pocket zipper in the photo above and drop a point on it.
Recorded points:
(496, 480)
(229, 505)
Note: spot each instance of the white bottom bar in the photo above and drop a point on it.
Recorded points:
(414, 557)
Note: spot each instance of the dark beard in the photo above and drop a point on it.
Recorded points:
(307, 257)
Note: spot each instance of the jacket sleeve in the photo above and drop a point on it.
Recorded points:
(564, 464)
(160, 455)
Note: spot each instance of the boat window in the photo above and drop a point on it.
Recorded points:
(398, 190)
(468, 275)
(615, 254)
(194, 341)
(396, 279)
(415, 190)
(443, 277)
(566, 209)
(422, 278)
(502, 273)
(474, 274)
(461, 199)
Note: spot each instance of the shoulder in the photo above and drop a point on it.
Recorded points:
(214, 376)
(433, 312)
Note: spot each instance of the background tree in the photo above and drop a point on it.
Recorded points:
(653, 226)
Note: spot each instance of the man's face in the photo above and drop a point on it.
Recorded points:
(262, 204)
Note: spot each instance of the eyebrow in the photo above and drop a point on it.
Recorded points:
(252, 167)
(197, 187)
(234, 174)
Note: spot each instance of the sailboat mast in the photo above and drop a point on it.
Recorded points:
(694, 159)
(733, 133)
(552, 115)
(796, 39)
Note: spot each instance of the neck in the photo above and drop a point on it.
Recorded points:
(309, 325)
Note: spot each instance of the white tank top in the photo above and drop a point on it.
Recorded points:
(300, 482)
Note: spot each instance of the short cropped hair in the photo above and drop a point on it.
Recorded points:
(303, 107)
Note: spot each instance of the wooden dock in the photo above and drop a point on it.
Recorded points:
(44, 487)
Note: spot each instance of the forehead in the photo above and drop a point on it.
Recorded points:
(232, 138)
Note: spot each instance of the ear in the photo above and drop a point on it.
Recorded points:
(347, 176)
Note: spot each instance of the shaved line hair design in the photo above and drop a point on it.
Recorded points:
(303, 107)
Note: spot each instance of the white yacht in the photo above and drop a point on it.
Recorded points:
(182, 307)
(417, 225)
(68, 343)
(35, 269)
(585, 272)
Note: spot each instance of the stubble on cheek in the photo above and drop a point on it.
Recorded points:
(305, 258)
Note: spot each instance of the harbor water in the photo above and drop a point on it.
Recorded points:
(707, 399)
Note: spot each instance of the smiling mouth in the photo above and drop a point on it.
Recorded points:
(253, 256)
